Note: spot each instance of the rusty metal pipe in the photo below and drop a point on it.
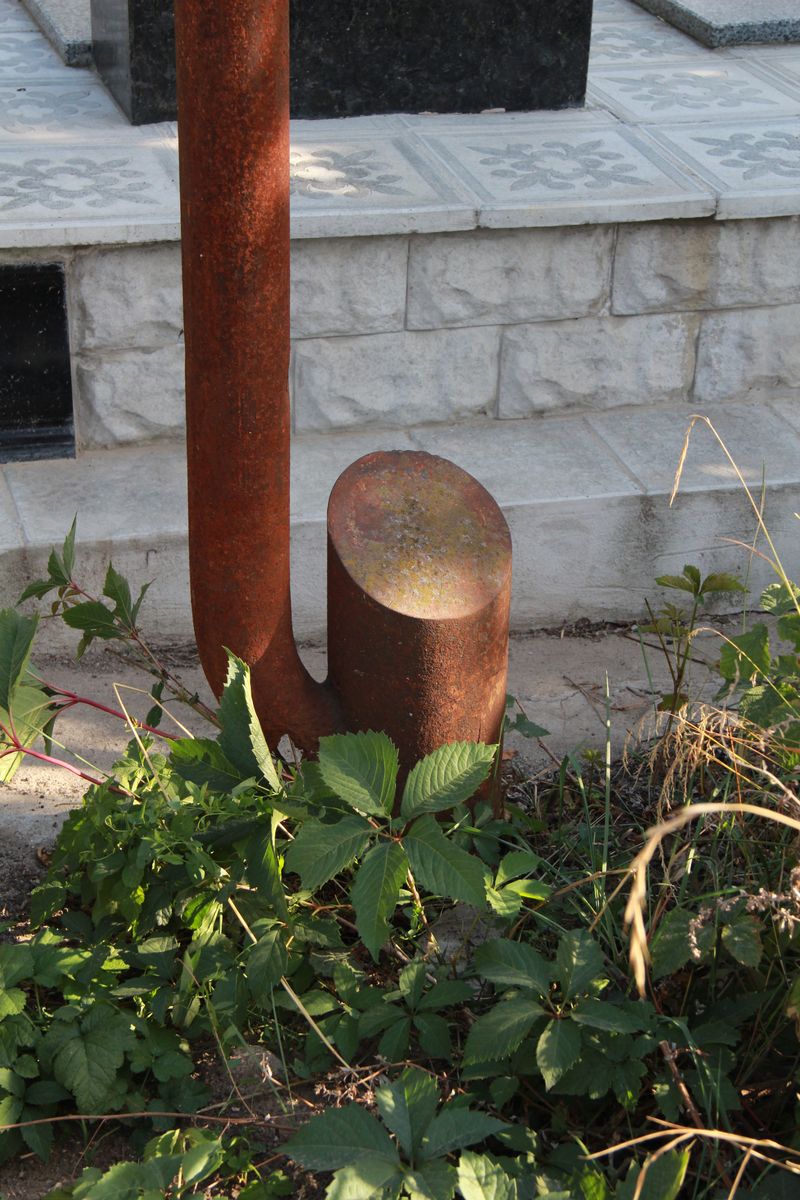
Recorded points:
(419, 562)
(233, 103)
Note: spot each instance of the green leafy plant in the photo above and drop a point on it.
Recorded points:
(404, 1151)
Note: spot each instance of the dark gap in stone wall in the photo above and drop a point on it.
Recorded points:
(35, 382)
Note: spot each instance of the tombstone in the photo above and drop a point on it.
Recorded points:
(359, 58)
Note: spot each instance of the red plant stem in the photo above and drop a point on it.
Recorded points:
(73, 699)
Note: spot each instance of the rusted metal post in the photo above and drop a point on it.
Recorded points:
(419, 554)
(233, 111)
(419, 584)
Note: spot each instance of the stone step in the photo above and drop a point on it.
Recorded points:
(586, 498)
(67, 25)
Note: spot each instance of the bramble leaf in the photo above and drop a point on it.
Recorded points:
(266, 963)
(407, 1106)
(339, 1137)
(242, 738)
(498, 1033)
(16, 639)
(456, 1127)
(580, 962)
(742, 939)
(375, 893)
(321, 851)
(367, 1179)
(745, 655)
(557, 1049)
(481, 1179)
(441, 866)
(447, 777)
(513, 964)
(361, 769)
(663, 1177)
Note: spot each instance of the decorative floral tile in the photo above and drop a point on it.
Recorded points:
(691, 92)
(14, 19)
(370, 184)
(786, 66)
(57, 110)
(627, 42)
(753, 165)
(25, 57)
(86, 186)
(541, 176)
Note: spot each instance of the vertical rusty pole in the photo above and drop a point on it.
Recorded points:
(233, 102)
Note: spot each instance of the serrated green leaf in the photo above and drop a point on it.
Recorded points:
(433, 1033)
(38, 1138)
(16, 962)
(671, 947)
(442, 867)
(526, 728)
(456, 1127)
(580, 962)
(444, 994)
(90, 1053)
(663, 1180)
(321, 851)
(778, 599)
(719, 582)
(12, 1001)
(498, 1033)
(745, 655)
(375, 892)
(742, 939)
(481, 1179)
(677, 582)
(557, 1050)
(118, 591)
(202, 1160)
(10, 1108)
(93, 618)
(789, 629)
(513, 964)
(339, 1137)
(368, 1179)
(504, 903)
(431, 1181)
(30, 707)
(361, 769)
(201, 760)
(612, 1018)
(515, 864)
(267, 962)
(449, 776)
(45, 1092)
(407, 1107)
(16, 639)
(393, 1046)
(242, 738)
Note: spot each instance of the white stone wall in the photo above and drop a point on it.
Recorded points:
(402, 331)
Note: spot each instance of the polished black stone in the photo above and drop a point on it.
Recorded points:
(355, 57)
(35, 380)
(133, 44)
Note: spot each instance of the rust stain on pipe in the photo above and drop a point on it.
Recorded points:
(233, 102)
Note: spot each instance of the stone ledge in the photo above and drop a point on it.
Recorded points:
(586, 499)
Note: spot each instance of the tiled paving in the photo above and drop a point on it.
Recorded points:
(671, 129)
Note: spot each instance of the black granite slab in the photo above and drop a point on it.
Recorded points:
(133, 44)
(35, 380)
(357, 57)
